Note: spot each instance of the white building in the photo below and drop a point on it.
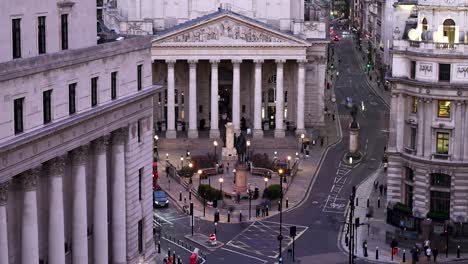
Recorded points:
(75, 138)
(252, 62)
(428, 143)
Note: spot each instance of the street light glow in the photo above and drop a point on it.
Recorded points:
(302, 136)
(156, 137)
(280, 171)
(265, 179)
(190, 165)
(199, 172)
(215, 143)
(248, 143)
(289, 158)
(221, 180)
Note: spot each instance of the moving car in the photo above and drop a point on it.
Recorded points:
(160, 199)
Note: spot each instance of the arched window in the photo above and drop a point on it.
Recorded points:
(449, 30)
(424, 24)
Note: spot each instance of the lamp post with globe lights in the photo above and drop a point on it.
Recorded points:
(302, 142)
(248, 152)
(266, 182)
(181, 162)
(280, 236)
(221, 180)
(215, 144)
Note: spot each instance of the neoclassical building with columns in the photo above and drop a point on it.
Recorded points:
(76, 140)
(245, 63)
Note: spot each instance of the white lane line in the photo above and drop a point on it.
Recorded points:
(177, 218)
(203, 260)
(163, 219)
(243, 231)
(245, 255)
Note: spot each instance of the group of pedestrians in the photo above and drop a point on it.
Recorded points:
(261, 210)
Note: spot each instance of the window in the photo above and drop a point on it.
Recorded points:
(18, 114)
(424, 24)
(442, 143)
(47, 104)
(94, 99)
(413, 138)
(139, 131)
(409, 195)
(140, 178)
(413, 70)
(414, 105)
(41, 34)
(139, 77)
(140, 236)
(444, 72)
(200, 109)
(443, 109)
(16, 37)
(176, 96)
(64, 30)
(449, 30)
(440, 180)
(71, 98)
(159, 98)
(440, 202)
(409, 174)
(113, 85)
(182, 98)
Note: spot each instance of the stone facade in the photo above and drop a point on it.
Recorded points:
(428, 143)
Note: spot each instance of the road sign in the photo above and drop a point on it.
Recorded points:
(213, 239)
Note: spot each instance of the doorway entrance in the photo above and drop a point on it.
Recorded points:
(224, 96)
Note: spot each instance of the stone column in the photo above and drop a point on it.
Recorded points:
(257, 131)
(279, 130)
(428, 129)
(214, 127)
(236, 95)
(100, 232)
(193, 131)
(119, 235)
(170, 132)
(457, 144)
(29, 225)
(300, 129)
(3, 223)
(465, 132)
(420, 141)
(79, 211)
(56, 219)
(401, 114)
(392, 137)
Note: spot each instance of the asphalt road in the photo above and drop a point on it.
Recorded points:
(320, 217)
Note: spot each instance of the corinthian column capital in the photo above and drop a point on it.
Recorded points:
(28, 179)
(4, 192)
(57, 166)
(119, 136)
(80, 155)
(101, 143)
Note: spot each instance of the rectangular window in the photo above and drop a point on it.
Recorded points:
(16, 37)
(409, 195)
(414, 105)
(18, 109)
(94, 99)
(409, 174)
(413, 138)
(139, 131)
(72, 98)
(140, 77)
(113, 85)
(440, 202)
(140, 183)
(443, 143)
(41, 34)
(64, 30)
(440, 180)
(413, 70)
(47, 106)
(443, 108)
(140, 236)
(444, 72)
(176, 96)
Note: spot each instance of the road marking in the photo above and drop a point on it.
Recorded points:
(162, 218)
(203, 260)
(245, 255)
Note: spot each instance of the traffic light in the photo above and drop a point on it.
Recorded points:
(357, 222)
(368, 65)
(216, 216)
(191, 208)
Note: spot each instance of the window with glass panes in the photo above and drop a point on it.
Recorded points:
(47, 106)
(64, 30)
(139, 77)
(414, 105)
(113, 85)
(409, 182)
(440, 202)
(72, 98)
(41, 34)
(16, 37)
(94, 93)
(440, 180)
(443, 139)
(413, 137)
(443, 108)
(444, 72)
(18, 114)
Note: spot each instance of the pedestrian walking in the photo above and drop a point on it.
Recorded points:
(257, 211)
(435, 252)
(376, 184)
(428, 254)
(381, 189)
(263, 211)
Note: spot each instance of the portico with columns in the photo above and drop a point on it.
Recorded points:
(233, 69)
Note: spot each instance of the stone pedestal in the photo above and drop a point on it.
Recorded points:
(241, 178)
(353, 138)
(229, 153)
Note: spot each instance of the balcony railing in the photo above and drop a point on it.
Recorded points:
(432, 47)
(441, 156)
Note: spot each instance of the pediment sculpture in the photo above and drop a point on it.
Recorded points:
(225, 29)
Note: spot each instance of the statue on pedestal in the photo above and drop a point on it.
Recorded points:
(241, 145)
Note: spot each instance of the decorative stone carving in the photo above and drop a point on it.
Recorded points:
(425, 68)
(226, 29)
(100, 144)
(80, 155)
(258, 61)
(57, 166)
(4, 192)
(28, 179)
(462, 70)
(302, 61)
(119, 136)
(280, 61)
(236, 61)
(214, 62)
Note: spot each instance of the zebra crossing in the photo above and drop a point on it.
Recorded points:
(333, 203)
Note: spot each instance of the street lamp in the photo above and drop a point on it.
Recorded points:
(215, 144)
(181, 161)
(289, 162)
(190, 167)
(302, 142)
(266, 182)
(280, 236)
(221, 180)
(248, 146)
(167, 156)
(276, 153)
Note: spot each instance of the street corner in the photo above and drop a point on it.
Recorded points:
(205, 241)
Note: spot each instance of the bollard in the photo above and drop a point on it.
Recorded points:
(376, 252)
(240, 216)
(367, 202)
(346, 240)
(174, 258)
(279, 206)
(180, 196)
(287, 202)
(169, 252)
(266, 212)
(179, 261)
(458, 251)
(404, 255)
(357, 201)
(185, 199)
(190, 195)
(229, 217)
(159, 247)
(365, 249)
(378, 203)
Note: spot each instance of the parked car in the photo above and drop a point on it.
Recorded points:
(160, 199)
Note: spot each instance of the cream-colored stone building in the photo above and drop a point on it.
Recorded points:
(75, 138)
(252, 62)
(428, 142)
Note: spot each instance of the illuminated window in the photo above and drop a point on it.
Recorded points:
(443, 142)
(414, 105)
(443, 109)
(424, 24)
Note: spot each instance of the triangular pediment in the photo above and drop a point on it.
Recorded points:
(226, 29)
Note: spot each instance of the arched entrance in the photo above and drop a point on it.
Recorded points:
(424, 24)
(224, 95)
(270, 102)
(449, 30)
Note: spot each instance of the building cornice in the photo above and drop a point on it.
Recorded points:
(443, 85)
(425, 54)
